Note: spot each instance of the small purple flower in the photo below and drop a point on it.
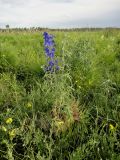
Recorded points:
(57, 68)
(45, 34)
(51, 63)
(52, 53)
(48, 40)
(46, 51)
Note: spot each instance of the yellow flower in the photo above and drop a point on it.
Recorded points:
(12, 133)
(111, 127)
(4, 129)
(9, 121)
(60, 123)
(29, 105)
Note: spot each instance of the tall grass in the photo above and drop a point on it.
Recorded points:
(73, 114)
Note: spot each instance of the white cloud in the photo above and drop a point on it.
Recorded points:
(60, 13)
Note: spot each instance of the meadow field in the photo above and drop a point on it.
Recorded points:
(71, 113)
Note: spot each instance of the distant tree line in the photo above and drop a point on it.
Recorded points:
(34, 29)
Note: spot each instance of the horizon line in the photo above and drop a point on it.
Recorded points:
(38, 27)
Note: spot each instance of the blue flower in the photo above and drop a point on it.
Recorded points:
(49, 46)
(46, 51)
(57, 68)
(48, 40)
(50, 52)
(45, 34)
(51, 63)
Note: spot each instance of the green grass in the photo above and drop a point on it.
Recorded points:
(73, 114)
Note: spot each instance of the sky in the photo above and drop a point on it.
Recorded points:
(60, 13)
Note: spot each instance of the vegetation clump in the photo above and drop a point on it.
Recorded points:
(60, 95)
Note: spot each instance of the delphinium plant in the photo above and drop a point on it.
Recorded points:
(49, 46)
(59, 85)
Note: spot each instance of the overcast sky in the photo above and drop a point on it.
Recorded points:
(60, 13)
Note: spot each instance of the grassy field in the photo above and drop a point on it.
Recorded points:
(71, 114)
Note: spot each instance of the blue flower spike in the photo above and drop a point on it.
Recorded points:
(49, 47)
